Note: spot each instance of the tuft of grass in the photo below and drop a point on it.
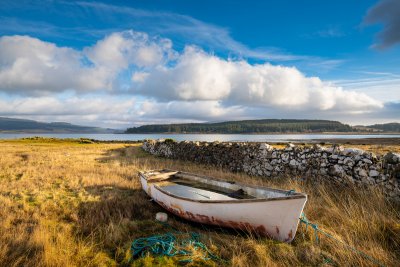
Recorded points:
(169, 140)
(72, 203)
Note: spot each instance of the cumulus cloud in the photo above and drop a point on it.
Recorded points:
(102, 111)
(386, 12)
(192, 85)
(31, 66)
(139, 76)
(50, 105)
(198, 76)
(116, 111)
(119, 50)
(190, 110)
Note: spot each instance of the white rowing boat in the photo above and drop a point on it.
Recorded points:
(265, 211)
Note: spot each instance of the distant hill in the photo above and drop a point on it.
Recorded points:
(31, 126)
(247, 126)
(386, 127)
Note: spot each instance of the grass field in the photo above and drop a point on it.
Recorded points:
(65, 203)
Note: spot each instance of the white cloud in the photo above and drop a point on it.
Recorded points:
(139, 76)
(189, 110)
(382, 86)
(115, 112)
(195, 77)
(102, 111)
(189, 86)
(198, 76)
(121, 49)
(31, 66)
(111, 52)
(71, 106)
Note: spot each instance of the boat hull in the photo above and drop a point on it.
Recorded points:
(275, 218)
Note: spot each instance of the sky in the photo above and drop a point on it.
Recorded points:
(120, 64)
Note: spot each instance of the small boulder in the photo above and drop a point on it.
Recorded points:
(373, 173)
(293, 164)
(285, 157)
(352, 151)
(337, 170)
(333, 156)
(265, 146)
(289, 147)
(392, 158)
(318, 147)
(348, 161)
(368, 161)
(335, 149)
(268, 167)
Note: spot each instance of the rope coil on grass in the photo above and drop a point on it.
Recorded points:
(169, 245)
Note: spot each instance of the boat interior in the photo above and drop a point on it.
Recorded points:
(197, 187)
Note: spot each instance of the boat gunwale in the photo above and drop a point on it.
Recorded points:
(296, 195)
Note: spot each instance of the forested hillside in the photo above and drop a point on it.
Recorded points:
(387, 127)
(248, 126)
(21, 125)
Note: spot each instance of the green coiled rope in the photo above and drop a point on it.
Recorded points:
(170, 245)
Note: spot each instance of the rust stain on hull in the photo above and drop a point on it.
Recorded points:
(290, 235)
(177, 207)
(201, 218)
(149, 190)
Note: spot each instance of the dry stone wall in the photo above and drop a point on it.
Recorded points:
(344, 165)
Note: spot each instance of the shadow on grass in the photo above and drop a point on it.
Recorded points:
(19, 247)
(123, 154)
(118, 216)
(21, 253)
(114, 205)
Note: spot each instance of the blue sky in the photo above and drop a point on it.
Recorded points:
(124, 63)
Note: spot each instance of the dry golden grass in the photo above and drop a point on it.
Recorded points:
(69, 204)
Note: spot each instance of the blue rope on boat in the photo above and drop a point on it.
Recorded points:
(290, 192)
(168, 245)
(303, 219)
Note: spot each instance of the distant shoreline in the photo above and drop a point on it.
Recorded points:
(360, 141)
(384, 141)
(276, 133)
(265, 138)
(199, 133)
(54, 132)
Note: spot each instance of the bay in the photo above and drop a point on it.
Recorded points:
(202, 137)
